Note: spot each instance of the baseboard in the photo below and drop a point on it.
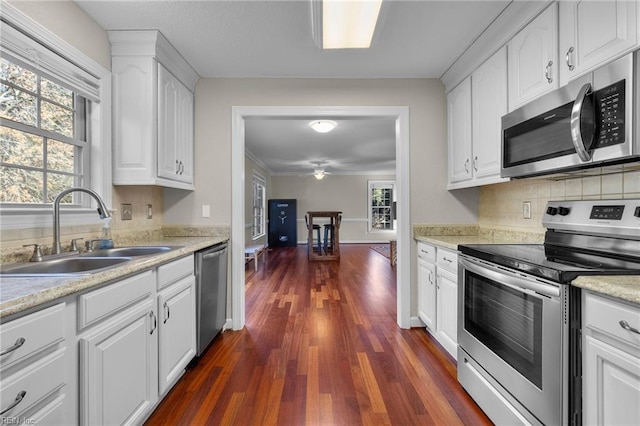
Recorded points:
(417, 322)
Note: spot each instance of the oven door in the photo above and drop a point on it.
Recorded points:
(513, 326)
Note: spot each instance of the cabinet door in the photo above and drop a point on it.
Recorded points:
(459, 132)
(592, 32)
(533, 59)
(427, 293)
(168, 122)
(185, 139)
(489, 104)
(611, 385)
(118, 368)
(177, 336)
(447, 309)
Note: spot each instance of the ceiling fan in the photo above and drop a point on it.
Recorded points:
(319, 171)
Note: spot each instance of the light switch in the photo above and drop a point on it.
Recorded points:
(206, 210)
(149, 211)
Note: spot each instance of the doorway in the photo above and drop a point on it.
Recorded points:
(401, 117)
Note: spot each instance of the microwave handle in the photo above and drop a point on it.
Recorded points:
(576, 133)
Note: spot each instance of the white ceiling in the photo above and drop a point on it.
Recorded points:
(267, 38)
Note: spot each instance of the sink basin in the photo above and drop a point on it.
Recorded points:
(78, 265)
(132, 251)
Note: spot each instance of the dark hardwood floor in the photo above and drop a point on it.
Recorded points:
(321, 347)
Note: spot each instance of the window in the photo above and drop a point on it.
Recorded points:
(55, 125)
(259, 195)
(381, 205)
(43, 146)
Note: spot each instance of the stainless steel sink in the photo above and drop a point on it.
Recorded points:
(78, 265)
(131, 251)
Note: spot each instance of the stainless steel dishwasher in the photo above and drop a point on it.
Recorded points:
(211, 293)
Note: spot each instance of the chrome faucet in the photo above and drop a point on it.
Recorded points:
(102, 212)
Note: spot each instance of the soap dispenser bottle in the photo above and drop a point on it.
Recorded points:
(106, 242)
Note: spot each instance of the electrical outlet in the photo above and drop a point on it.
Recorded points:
(127, 212)
(149, 211)
(526, 209)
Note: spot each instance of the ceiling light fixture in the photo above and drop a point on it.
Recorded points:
(323, 126)
(319, 174)
(341, 24)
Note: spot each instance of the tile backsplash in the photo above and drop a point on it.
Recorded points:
(137, 196)
(501, 204)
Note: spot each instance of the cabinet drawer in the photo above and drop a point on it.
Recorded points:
(33, 382)
(172, 272)
(100, 304)
(31, 333)
(448, 260)
(427, 252)
(605, 315)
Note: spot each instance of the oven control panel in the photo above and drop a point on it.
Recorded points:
(612, 217)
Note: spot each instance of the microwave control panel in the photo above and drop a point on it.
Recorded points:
(610, 102)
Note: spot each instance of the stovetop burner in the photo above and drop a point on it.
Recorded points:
(583, 238)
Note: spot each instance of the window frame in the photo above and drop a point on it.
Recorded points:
(21, 34)
(371, 184)
(259, 222)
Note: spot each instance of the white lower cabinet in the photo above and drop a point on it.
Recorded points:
(438, 294)
(32, 366)
(611, 361)
(118, 363)
(177, 334)
(427, 293)
(447, 323)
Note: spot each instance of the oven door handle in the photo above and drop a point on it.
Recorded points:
(511, 280)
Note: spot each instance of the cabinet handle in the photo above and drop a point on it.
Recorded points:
(430, 278)
(177, 167)
(15, 402)
(181, 168)
(475, 163)
(567, 58)
(466, 168)
(15, 346)
(627, 327)
(167, 312)
(155, 322)
(447, 260)
(547, 72)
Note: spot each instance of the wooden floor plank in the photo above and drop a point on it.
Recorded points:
(321, 347)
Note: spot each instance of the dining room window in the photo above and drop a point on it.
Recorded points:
(259, 207)
(381, 207)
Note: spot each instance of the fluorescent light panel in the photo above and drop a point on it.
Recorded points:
(349, 24)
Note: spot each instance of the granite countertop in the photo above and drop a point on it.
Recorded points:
(20, 293)
(624, 287)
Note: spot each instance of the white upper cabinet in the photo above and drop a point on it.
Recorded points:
(593, 32)
(152, 111)
(459, 132)
(489, 104)
(474, 110)
(175, 128)
(533, 59)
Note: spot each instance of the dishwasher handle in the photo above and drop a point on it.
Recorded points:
(214, 254)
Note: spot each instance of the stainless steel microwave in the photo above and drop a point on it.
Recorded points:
(587, 123)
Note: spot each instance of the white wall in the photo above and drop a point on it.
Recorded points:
(345, 193)
(430, 201)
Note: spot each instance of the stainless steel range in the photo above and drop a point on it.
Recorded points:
(519, 320)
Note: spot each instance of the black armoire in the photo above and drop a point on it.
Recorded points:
(282, 223)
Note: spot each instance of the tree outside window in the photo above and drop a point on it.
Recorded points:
(381, 205)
